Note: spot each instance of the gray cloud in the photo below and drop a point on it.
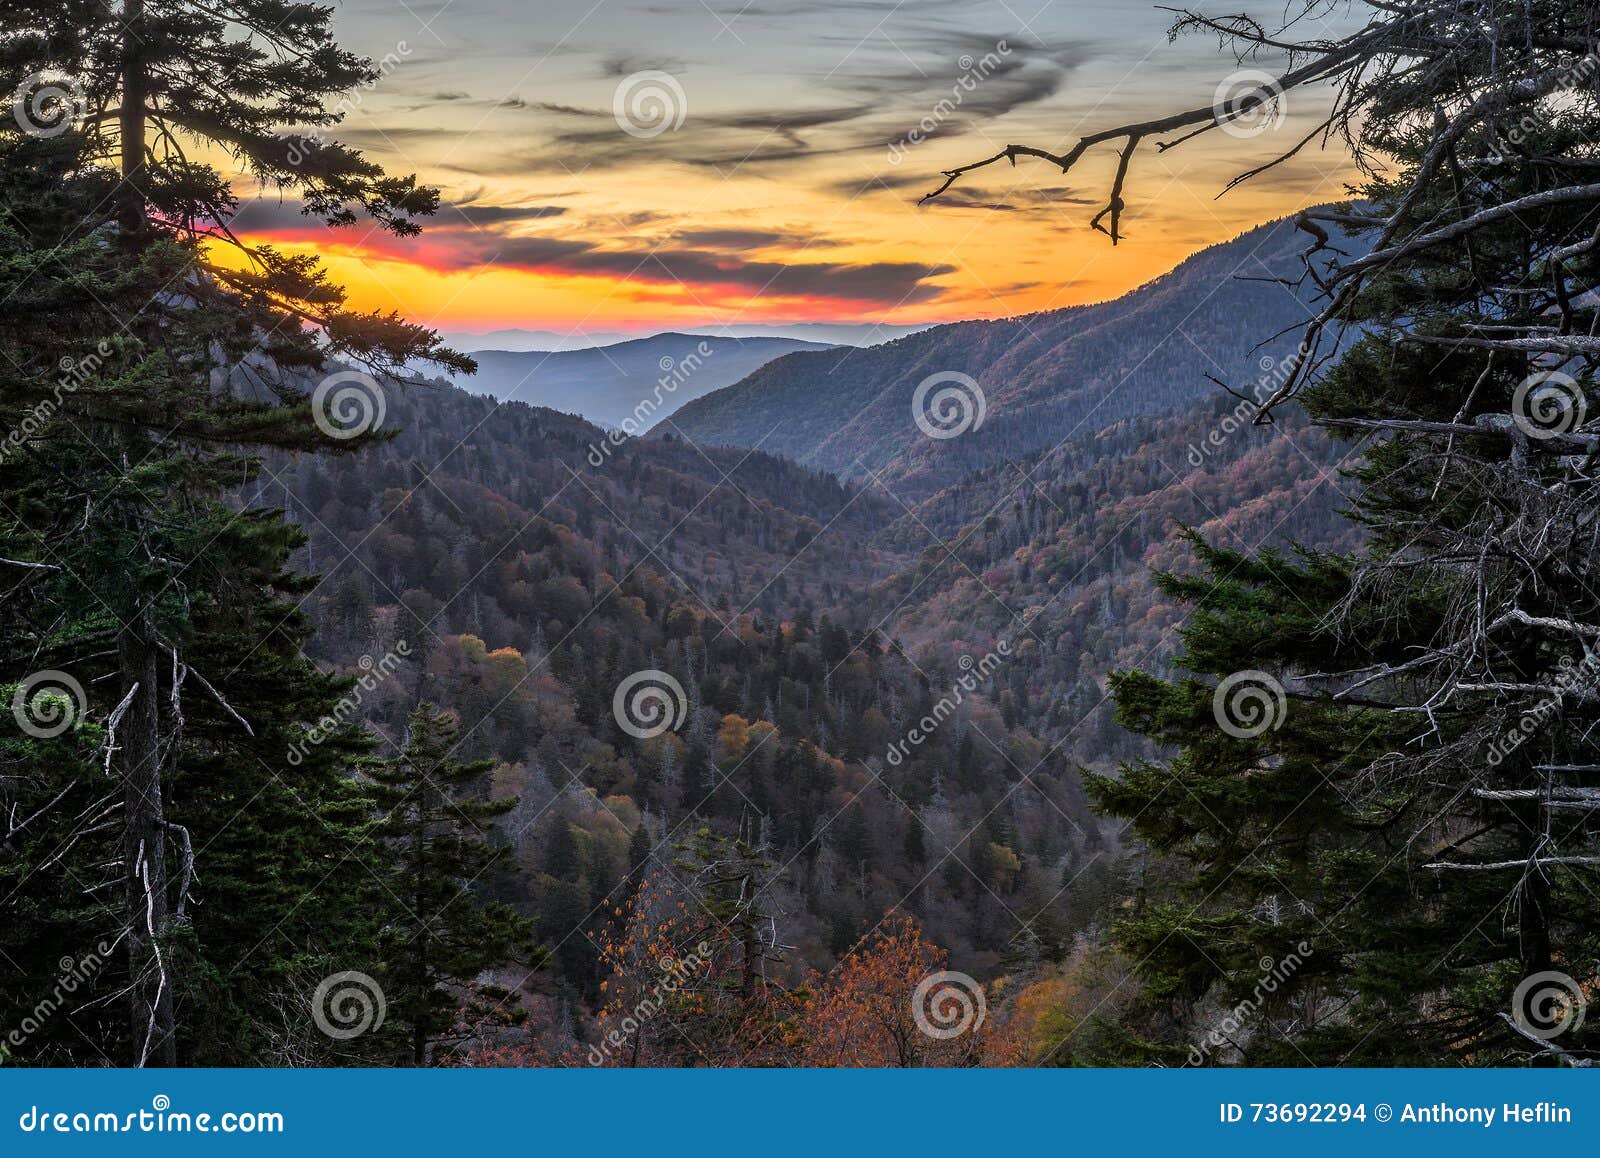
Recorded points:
(736, 239)
(796, 8)
(270, 215)
(968, 78)
(502, 214)
(1038, 202)
(470, 235)
(886, 282)
(622, 65)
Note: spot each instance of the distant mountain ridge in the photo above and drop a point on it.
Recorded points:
(1044, 377)
(640, 381)
(523, 341)
(549, 341)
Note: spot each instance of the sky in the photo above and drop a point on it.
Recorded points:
(637, 165)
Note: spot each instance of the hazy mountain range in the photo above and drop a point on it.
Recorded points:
(847, 408)
(829, 333)
(1044, 377)
(643, 379)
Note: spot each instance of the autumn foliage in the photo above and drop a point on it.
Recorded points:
(675, 996)
(876, 1007)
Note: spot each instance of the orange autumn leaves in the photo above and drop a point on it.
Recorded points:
(674, 997)
(865, 1013)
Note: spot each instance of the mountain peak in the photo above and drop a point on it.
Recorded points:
(1041, 377)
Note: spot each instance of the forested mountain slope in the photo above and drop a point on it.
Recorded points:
(529, 584)
(1061, 548)
(608, 384)
(812, 624)
(1045, 377)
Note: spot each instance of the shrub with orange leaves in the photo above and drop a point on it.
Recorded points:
(866, 1011)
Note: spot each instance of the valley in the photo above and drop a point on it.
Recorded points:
(811, 621)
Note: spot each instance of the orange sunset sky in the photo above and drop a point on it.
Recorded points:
(638, 165)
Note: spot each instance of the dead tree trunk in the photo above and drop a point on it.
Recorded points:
(131, 124)
(150, 1004)
(144, 849)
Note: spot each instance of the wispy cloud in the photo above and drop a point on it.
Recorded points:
(472, 236)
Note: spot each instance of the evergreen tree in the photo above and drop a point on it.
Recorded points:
(254, 805)
(107, 213)
(1421, 811)
(640, 846)
(436, 831)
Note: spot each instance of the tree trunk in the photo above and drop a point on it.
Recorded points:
(1533, 901)
(131, 124)
(421, 1027)
(144, 850)
(144, 824)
